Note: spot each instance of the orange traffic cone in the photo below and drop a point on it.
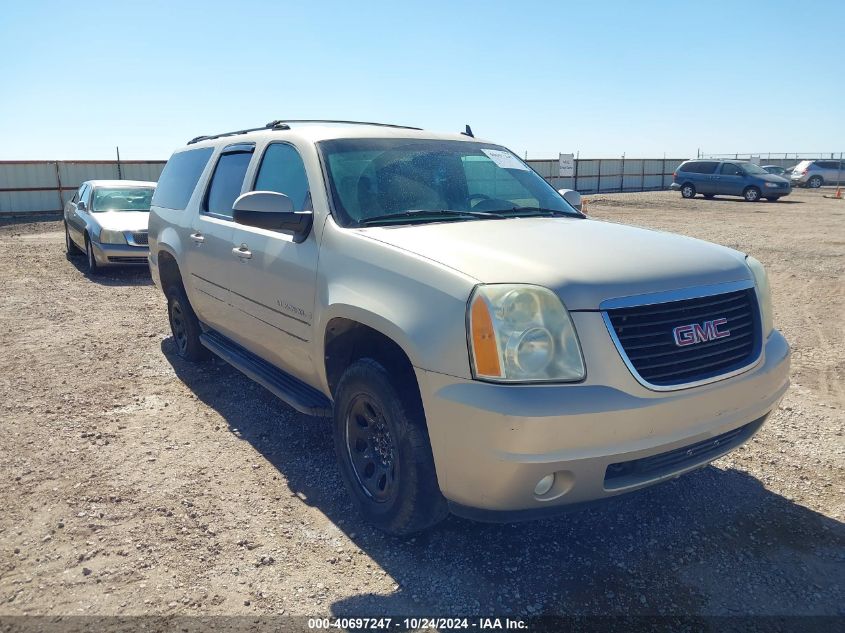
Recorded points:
(838, 194)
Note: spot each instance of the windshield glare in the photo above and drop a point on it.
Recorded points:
(377, 177)
(122, 199)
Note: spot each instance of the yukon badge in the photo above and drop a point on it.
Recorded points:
(700, 333)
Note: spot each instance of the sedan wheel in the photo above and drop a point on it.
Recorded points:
(93, 267)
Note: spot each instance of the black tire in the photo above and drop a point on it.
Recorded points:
(687, 190)
(773, 198)
(71, 248)
(93, 267)
(815, 182)
(184, 325)
(751, 194)
(709, 196)
(383, 450)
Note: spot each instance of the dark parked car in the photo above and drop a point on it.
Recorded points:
(728, 178)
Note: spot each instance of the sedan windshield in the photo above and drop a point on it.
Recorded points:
(403, 181)
(122, 199)
(751, 168)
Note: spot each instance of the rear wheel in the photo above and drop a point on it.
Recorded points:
(688, 191)
(383, 450)
(751, 194)
(709, 196)
(773, 198)
(184, 325)
(815, 182)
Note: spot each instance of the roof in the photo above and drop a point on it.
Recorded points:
(322, 131)
(120, 183)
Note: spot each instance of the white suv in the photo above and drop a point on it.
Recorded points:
(482, 346)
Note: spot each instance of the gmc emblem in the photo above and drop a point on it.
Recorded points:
(694, 333)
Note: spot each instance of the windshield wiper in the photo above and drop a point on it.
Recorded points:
(433, 214)
(538, 211)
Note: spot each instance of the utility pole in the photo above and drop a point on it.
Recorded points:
(119, 173)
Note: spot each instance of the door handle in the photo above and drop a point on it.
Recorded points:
(199, 238)
(242, 251)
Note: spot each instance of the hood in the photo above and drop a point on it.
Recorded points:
(122, 220)
(771, 178)
(583, 261)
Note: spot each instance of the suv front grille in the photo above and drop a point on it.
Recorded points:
(647, 339)
(140, 238)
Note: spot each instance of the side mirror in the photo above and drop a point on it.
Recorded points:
(572, 197)
(272, 211)
(80, 206)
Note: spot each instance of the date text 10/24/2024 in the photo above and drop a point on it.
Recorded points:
(421, 623)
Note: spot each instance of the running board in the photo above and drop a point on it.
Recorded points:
(296, 393)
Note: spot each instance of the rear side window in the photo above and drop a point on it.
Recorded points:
(179, 178)
(282, 171)
(729, 169)
(226, 183)
(700, 167)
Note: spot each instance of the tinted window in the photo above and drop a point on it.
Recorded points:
(729, 169)
(226, 183)
(827, 164)
(179, 178)
(282, 171)
(700, 167)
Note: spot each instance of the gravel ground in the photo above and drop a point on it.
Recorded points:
(133, 483)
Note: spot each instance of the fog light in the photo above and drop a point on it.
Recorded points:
(544, 485)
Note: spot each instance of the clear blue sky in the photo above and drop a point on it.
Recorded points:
(597, 77)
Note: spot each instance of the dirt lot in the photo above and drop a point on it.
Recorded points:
(133, 483)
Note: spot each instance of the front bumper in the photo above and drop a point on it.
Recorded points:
(120, 254)
(492, 443)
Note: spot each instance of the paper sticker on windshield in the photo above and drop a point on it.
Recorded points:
(505, 159)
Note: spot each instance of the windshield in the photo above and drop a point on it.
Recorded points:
(454, 180)
(751, 168)
(122, 199)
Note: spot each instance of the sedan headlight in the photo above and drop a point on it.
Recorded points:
(112, 237)
(522, 333)
(764, 293)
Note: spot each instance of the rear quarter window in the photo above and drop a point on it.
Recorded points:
(179, 178)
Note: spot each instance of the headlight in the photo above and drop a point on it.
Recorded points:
(521, 333)
(772, 185)
(112, 237)
(764, 293)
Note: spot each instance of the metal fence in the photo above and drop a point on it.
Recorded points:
(39, 187)
(43, 187)
(781, 159)
(611, 175)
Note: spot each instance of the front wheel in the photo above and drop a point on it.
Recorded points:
(688, 191)
(709, 196)
(184, 325)
(93, 266)
(751, 194)
(773, 198)
(383, 450)
(71, 248)
(815, 182)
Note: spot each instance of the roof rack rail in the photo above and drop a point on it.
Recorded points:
(282, 124)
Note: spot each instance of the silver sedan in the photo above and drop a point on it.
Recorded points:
(107, 221)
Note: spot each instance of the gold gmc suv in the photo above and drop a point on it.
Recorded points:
(481, 346)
